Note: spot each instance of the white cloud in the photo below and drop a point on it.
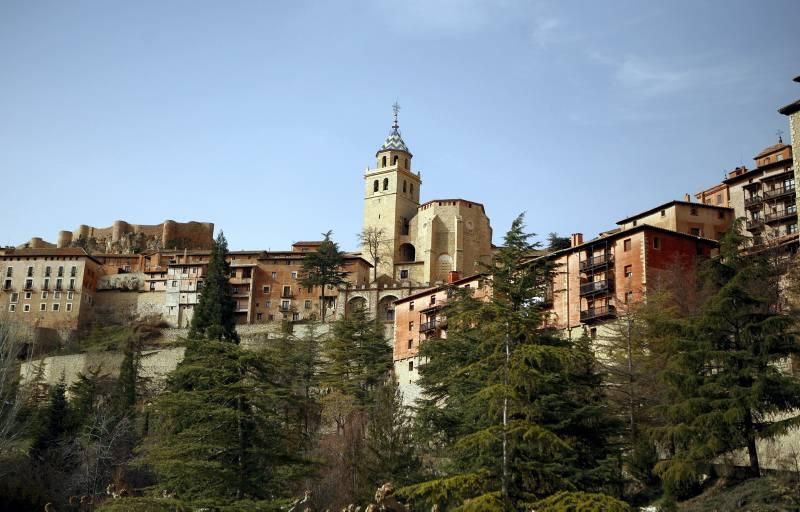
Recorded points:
(647, 79)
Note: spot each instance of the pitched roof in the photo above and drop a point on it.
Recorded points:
(394, 142)
(51, 252)
(667, 205)
(771, 149)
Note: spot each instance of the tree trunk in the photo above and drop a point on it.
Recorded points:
(752, 450)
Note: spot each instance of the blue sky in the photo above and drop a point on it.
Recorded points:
(262, 116)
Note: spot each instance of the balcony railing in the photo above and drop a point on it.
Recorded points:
(752, 201)
(752, 224)
(594, 287)
(430, 326)
(780, 215)
(595, 261)
(771, 194)
(598, 313)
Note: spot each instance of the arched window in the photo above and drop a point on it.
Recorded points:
(383, 161)
(395, 159)
(412, 189)
(404, 186)
(406, 163)
(375, 186)
(407, 252)
(385, 183)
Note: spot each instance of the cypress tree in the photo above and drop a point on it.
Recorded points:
(323, 268)
(517, 412)
(214, 315)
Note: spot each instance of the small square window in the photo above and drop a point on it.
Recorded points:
(410, 343)
(274, 275)
(411, 366)
(404, 274)
(628, 270)
(14, 297)
(411, 326)
(174, 284)
(42, 307)
(56, 306)
(663, 213)
(433, 300)
(44, 295)
(266, 289)
(28, 295)
(70, 295)
(411, 306)
(307, 304)
(656, 243)
(626, 245)
(294, 275)
(26, 308)
(694, 231)
(56, 295)
(12, 308)
(69, 306)
(693, 210)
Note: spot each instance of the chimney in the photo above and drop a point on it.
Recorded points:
(687, 198)
(453, 276)
(576, 239)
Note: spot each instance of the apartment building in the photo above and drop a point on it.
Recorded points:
(49, 287)
(792, 110)
(419, 317)
(697, 219)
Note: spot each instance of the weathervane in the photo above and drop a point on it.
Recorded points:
(396, 109)
(779, 133)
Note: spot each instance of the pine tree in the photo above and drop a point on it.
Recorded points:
(214, 315)
(228, 428)
(357, 356)
(519, 410)
(726, 387)
(323, 268)
(124, 395)
(55, 420)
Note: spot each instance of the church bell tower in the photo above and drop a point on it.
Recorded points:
(391, 198)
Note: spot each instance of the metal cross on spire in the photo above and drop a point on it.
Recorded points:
(779, 133)
(396, 109)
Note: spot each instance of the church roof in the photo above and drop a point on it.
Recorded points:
(394, 142)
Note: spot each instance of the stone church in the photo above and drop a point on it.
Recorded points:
(421, 243)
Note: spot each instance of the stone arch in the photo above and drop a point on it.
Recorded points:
(383, 161)
(357, 302)
(385, 183)
(375, 186)
(444, 264)
(386, 308)
(395, 160)
(407, 252)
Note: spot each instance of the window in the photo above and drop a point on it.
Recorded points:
(56, 306)
(69, 306)
(383, 161)
(406, 163)
(719, 201)
(69, 295)
(410, 343)
(411, 188)
(411, 366)
(635, 222)
(9, 272)
(266, 289)
(285, 305)
(385, 183)
(411, 326)
(663, 213)
(656, 243)
(720, 214)
(404, 274)
(294, 275)
(274, 275)
(174, 284)
(46, 284)
(433, 300)
(628, 270)
(411, 306)
(56, 295)
(30, 271)
(694, 231)
(26, 308)
(12, 308)
(42, 307)
(626, 245)
(28, 295)
(693, 210)
(71, 284)
(307, 304)
(58, 284)
(267, 304)
(7, 284)
(74, 270)
(628, 297)
(44, 295)
(287, 291)
(28, 284)
(60, 271)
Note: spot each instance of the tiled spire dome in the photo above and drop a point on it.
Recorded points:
(394, 142)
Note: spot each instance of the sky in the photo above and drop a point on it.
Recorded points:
(261, 117)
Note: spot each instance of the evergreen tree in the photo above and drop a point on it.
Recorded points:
(214, 314)
(556, 243)
(517, 411)
(227, 429)
(357, 356)
(54, 420)
(726, 387)
(323, 268)
(124, 396)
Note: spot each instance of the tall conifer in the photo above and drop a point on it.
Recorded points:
(322, 268)
(214, 315)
